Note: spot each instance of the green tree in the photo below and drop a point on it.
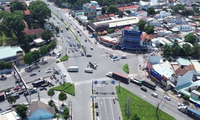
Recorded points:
(46, 35)
(141, 24)
(11, 99)
(128, 11)
(35, 54)
(57, 30)
(28, 58)
(39, 11)
(66, 113)
(14, 24)
(52, 45)
(191, 38)
(149, 29)
(120, 13)
(113, 9)
(151, 11)
(62, 96)
(187, 49)
(175, 48)
(51, 93)
(19, 13)
(187, 12)
(16, 5)
(178, 7)
(21, 110)
(43, 50)
(167, 51)
(5, 65)
(103, 10)
(3, 14)
(196, 50)
(186, 98)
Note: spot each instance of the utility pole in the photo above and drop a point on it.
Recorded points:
(38, 94)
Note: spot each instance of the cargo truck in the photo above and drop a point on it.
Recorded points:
(2, 96)
(119, 77)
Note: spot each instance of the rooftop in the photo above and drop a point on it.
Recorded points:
(183, 70)
(34, 31)
(9, 115)
(196, 65)
(26, 12)
(182, 61)
(9, 51)
(128, 7)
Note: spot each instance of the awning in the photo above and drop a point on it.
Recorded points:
(91, 28)
(170, 83)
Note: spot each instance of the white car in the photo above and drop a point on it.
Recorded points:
(154, 95)
(48, 71)
(91, 48)
(181, 104)
(96, 64)
(167, 98)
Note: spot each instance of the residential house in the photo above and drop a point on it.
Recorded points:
(131, 8)
(39, 110)
(92, 9)
(12, 54)
(155, 22)
(178, 19)
(164, 14)
(34, 31)
(186, 28)
(188, 2)
(170, 3)
(141, 14)
(182, 70)
(101, 18)
(162, 33)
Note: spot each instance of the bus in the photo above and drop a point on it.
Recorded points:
(61, 30)
(38, 83)
(149, 85)
(136, 82)
(193, 113)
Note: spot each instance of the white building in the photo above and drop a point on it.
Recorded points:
(186, 28)
(92, 9)
(141, 14)
(155, 22)
(162, 33)
(164, 14)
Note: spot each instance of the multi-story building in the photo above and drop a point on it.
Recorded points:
(92, 9)
(134, 39)
(12, 54)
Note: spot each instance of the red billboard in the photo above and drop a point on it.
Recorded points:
(149, 66)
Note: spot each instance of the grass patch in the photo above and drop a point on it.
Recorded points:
(139, 108)
(64, 58)
(67, 87)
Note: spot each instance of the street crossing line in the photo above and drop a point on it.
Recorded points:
(64, 70)
(98, 97)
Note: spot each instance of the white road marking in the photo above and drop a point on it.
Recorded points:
(104, 105)
(112, 109)
(64, 71)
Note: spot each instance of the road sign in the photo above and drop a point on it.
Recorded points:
(126, 68)
(112, 82)
(93, 96)
(95, 82)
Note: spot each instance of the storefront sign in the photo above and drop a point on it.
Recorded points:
(156, 74)
(164, 83)
(154, 78)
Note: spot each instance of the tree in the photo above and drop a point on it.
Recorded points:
(186, 97)
(46, 35)
(11, 99)
(16, 5)
(19, 13)
(43, 50)
(28, 58)
(52, 45)
(62, 96)
(39, 11)
(149, 29)
(5, 65)
(167, 50)
(196, 50)
(120, 13)
(191, 38)
(187, 49)
(113, 9)
(141, 24)
(175, 48)
(57, 30)
(103, 10)
(51, 93)
(14, 24)
(128, 11)
(66, 113)
(178, 7)
(35, 54)
(21, 110)
(151, 11)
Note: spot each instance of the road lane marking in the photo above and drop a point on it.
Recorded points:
(104, 105)
(112, 110)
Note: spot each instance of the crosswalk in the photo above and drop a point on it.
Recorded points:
(64, 70)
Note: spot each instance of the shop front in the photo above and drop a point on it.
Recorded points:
(156, 76)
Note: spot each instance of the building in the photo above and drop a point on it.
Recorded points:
(155, 22)
(9, 115)
(141, 14)
(34, 31)
(132, 8)
(114, 23)
(12, 54)
(101, 18)
(39, 110)
(134, 39)
(164, 14)
(92, 9)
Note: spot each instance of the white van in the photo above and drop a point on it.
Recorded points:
(58, 55)
(88, 70)
(123, 57)
(72, 69)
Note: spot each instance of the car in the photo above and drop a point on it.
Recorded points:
(114, 57)
(96, 64)
(43, 88)
(16, 96)
(117, 59)
(32, 91)
(181, 104)
(96, 105)
(167, 98)
(48, 71)
(26, 93)
(33, 74)
(143, 89)
(74, 44)
(91, 48)
(70, 44)
(154, 95)
(68, 40)
(88, 55)
(97, 113)
(16, 88)
(7, 91)
(80, 34)
(53, 17)
(77, 31)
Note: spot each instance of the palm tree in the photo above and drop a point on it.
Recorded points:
(51, 93)
(11, 100)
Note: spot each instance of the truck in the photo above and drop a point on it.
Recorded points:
(119, 77)
(72, 69)
(45, 84)
(190, 112)
(2, 96)
(38, 83)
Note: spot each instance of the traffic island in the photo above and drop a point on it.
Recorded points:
(66, 87)
(64, 58)
(133, 107)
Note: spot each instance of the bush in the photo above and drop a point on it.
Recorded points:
(66, 113)
(57, 61)
(186, 98)
(51, 103)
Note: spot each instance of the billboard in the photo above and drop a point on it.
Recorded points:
(131, 33)
(156, 74)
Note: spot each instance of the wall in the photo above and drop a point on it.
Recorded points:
(39, 114)
(154, 59)
(187, 78)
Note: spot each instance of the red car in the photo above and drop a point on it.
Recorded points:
(16, 88)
